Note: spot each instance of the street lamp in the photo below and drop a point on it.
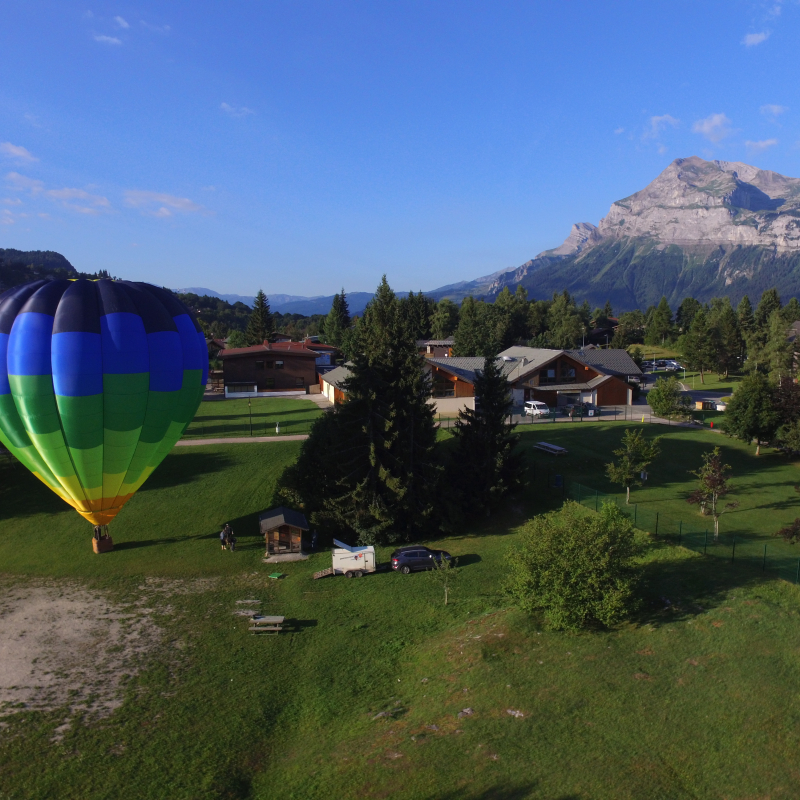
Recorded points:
(250, 412)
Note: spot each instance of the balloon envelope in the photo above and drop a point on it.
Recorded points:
(98, 380)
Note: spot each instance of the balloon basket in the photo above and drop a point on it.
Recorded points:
(103, 545)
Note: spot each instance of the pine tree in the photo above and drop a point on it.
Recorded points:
(686, 312)
(486, 466)
(727, 338)
(386, 463)
(791, 311)
(659, 325)
(778, 352)
(699, 347)
(770, 302)
(260, 327)
(416, 310)
(445, 319)
(337, 323)
(474, 335)
(565, 325)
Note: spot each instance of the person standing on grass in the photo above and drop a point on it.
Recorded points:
(231, 539)
(223, 536)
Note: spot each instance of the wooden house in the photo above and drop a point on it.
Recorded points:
(283, 530)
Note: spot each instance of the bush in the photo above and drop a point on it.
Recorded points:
(666, 399)
(576, 567)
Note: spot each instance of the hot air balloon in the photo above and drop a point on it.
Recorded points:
(98, 380)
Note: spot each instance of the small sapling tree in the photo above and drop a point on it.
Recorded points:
(445, 572)
(575, 566)
(633, 458)
(713, 480)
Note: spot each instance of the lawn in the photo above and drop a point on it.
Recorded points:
(259, 416)
(695, 697)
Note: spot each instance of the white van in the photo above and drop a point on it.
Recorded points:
(535, 408)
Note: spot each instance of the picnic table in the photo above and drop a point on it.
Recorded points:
(553, 449)
(266, 624)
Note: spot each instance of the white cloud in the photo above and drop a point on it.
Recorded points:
(166, 204)
(617, 131)
(762, 145)
(657, 124)
(32, 120)
(12, 201)
(714, 128)
(773, 111)
(23, 183)
(87, 203)
(122, 22)
(6, 217)
(16, 152)
(103, 39)
(234, 111)
(162, 29)
(752, 39)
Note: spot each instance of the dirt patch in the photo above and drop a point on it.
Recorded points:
(62, 647)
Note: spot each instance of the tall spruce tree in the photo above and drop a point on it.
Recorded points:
(261, 326)
(337, 323)
(727, 338)
(385, 457)
(699, 346)
(486, 465)
(659, 324)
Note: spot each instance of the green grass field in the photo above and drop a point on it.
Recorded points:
(221, 418)
(694, 698)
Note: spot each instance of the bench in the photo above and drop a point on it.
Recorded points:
(266, 624)
(553, 449)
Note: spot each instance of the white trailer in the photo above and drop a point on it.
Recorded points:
(352, 562)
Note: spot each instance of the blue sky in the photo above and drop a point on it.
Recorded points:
(301, 146)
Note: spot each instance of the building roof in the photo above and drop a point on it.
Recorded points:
(610, 361)
(467, 367)
(336, 376)
(435, 342)
(271, 348)
(281, 515)
(312, 345)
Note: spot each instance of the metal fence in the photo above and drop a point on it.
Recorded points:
(775, 557)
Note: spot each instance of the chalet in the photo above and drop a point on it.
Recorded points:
(214, 346)
(268, 369)
(435, 348)
(555, 377)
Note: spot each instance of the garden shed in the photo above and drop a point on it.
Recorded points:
(283, 530)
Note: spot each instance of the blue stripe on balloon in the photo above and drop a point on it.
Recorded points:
(29, 344)
(192, 352)
(125, 348)
(5, 387)
(166, 361)
(77, 359)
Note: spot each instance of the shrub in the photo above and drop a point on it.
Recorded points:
(576, 567)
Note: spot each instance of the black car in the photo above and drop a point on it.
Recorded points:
(416, 557)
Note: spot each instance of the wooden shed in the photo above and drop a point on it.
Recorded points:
(283, 529)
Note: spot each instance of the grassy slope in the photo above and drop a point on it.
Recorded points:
(694, 700)
(217, 418)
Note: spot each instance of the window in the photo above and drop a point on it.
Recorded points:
(269, 364)
(259, 365)
(279, 365)
(239, 388)
(299, 381)
(269, 383)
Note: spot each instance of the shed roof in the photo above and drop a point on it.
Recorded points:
(436, 342)
(281, 515)
(336, 377)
